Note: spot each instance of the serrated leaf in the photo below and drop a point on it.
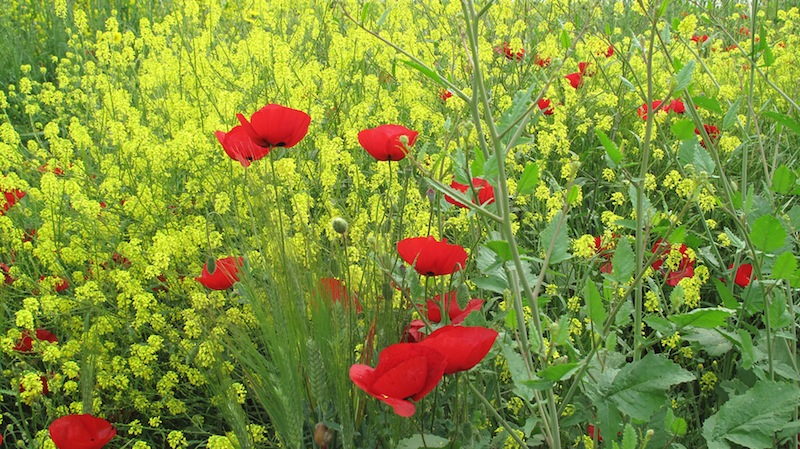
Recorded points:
(692, 153)
(611, 148)
(629, 439)
(529, 179)
(751, 419)
(675, 424)
(706, 318)
(423, 442)
(428, 72)
(594, 304)
(783, 180)
(490, 169)
(558, 373)
(683, 129)
(684, 77)
(785, 266)
(708, 103)
(678, 235)
(784, 120)
(561, 240)
(767, 233)
(623, 262)
(730, 116)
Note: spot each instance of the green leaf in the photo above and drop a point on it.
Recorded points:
(211, 265)
(558, 373)
(784, 120)
(785, 266)
(639, 389)
(477, 165)
(572, 196)
(529, 179)
(747, 350)
(428, 72)
(683, 129)
(675, 425)
(706, 318)
(517, 115)
(678, 235)
(725, 293)
(422, 442)
(565, 38)
(769, 57)
(783, 180)
(751, 419)
(767, 234)
(561, 240)
(708, 103)
(684, 77)
(629, 439)
(730, 116)
(501, 248)
(623, 262)
(692, 153)
(594, 304)
(611, 148)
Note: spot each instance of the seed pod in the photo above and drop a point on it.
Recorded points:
(323, 436)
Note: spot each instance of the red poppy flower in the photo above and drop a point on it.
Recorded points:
(387, 142)
(454, 312)
(575, 79)
(405, 371)
(45, 387)
(484, 190)
(335, 290)
(744, 31)
(583, 67)
(712, 131)
(240, 147)
(81, 432)
(276, 126)
(25, 344)
(610, 51)
(699, 39)
(743, 274)
(444, 94)
(412, 334)
(463, 347)
(604, 251)
(590, 429)
(509, 53)
(676, 106)
(62, 284)
(642, 110)
(431, 257)
(685, 267)
(542, 62)
(7, 279)
(544, 105)
(225, 273)
(11, 199)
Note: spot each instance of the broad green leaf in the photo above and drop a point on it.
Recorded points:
(784, 120)
(611, 148)
(783, 180)
(573, 194)
(747, 350)
(708, 103)
(594, 304)
(501, 248)
(477, 165)
(767, 234)
(778, 316)
(678, 235)
(623, 262)
(769, 57)
(490, 169)
(751, 419)
(683, 129)
(211, 265)
(692, 153)
(629, 439)
(684, 77)
(565, 38)
(561, 240)
(557, 373)
(706, 318)
(516, 366)
(662, 325)
(785, 266)
(422, 442)
(529, 179)
(730, 116)
(675, 425)
(639, 389)
(428, 72)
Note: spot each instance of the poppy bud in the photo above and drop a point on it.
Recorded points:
(339, 225)
(323, 436)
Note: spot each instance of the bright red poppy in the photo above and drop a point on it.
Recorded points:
(509, 53)
(712, 131)
(542, 62)
(387, 142)
(483, 189)
(642, 110)
(444, 94)
(463, 347)
(335, 290)
(405, 372)
(743, 274)
(276, 126)
(455, 313)
(575, 79)
(10, 199)
(431, 257)
(544, 106)
(226, 273)
(25, 344)
(240, 147)
(583, 68)
(81, 432)
(685, 267)
(699, 39)
(412, 334)
(676, 106)
(610, 51)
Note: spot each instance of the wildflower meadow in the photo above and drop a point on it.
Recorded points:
(244, 224)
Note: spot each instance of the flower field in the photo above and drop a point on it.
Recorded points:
(399, 224)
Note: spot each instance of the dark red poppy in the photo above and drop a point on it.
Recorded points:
(62, 284)
(7, 278)
(610, 51)
(225, 273)
(483, 189)
(699, 39)
(542, 62)
(387, 142)
(334, 290)
(444, 94)
(405, 372)
(743, 274)
(744, 31)
(81, 432)
(240, 147)
(10, 199)
(605, 252)
(685, 267)
(456, 314)
(25, 344)
(509, 53)
(412, 334)
(575, 79)
(583, 68)
(431, 257)
(676, 106)
(590, 429)
(712, 131)
(45, 387)
(276, 126)
(544, 106)
(642, 110)
(463, 347)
